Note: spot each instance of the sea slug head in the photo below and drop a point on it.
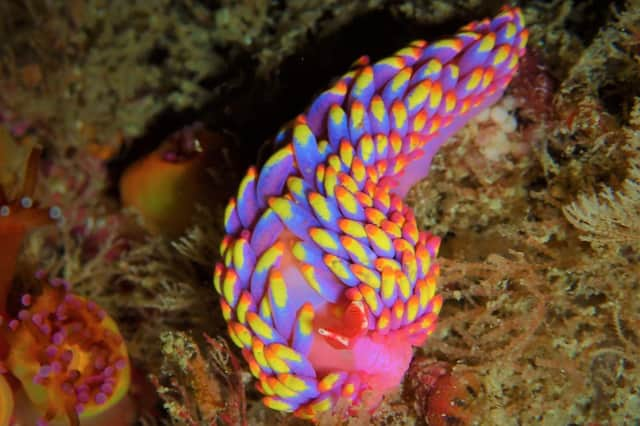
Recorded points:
(365, 339)
(324, 316)
(67, 354)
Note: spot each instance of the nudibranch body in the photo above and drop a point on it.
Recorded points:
(326, 281)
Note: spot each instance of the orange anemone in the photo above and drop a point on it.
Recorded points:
(6, 401)
(19, 214)
(165, 186)
(68, 355)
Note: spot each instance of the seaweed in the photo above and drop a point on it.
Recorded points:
(204, 388)
(611, 216)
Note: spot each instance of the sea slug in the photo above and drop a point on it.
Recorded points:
(326, 283)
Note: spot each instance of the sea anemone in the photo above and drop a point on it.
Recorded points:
(6, 400)
(165, 185)
(19, 214)
(67, 353)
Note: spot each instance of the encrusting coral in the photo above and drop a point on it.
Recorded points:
(326, 282)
